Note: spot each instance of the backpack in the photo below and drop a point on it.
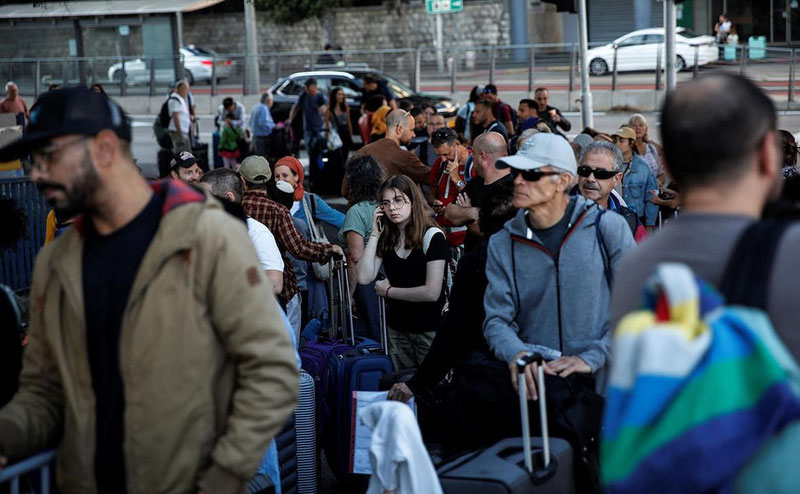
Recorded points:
(700, 382)
(514, 116)
(161, 125)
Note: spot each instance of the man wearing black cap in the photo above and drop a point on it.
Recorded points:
(157, 357)
(184, 166)
(501, 111)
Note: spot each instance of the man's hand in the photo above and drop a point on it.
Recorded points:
(338, 253)
(452, 170)
(554, 116)
(438, 207)
(463, 200)
(565, 366)
(381, 286)
(400, 392)
(531, 370)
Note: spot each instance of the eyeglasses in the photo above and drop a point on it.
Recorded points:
(599, 173)
(531, 175)
(45, 157)
(396, 203)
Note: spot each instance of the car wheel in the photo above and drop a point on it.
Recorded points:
(598, 66)
(116, 75)
(188, 76)
(680, 64)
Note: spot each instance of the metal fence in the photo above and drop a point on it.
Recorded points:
(16, 266)
(452, 69)
(32, 474)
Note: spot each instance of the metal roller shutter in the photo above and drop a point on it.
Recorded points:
(609, 19)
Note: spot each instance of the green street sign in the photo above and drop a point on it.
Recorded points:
(443, 6)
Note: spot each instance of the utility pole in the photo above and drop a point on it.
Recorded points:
(669, 40)
(251, 62)
(587, 113)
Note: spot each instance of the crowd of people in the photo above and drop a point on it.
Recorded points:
(164, 322)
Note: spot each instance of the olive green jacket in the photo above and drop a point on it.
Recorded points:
(207, 365)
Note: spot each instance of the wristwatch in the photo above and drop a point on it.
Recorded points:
(460, 184)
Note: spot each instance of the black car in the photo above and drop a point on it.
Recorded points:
(287, 89)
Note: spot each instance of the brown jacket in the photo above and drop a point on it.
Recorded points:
(393, 161)
(207, 364)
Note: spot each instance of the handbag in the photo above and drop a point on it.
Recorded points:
(322, 271)
(334, 141)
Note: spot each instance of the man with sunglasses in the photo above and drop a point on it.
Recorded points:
(598, 174)
(549, 273)
(158, 360)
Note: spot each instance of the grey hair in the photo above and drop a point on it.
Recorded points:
(266, 96)
(603, 147)
(9, 84)
(526, 134)
(640, 117)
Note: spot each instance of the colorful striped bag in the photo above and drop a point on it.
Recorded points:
(696, 390)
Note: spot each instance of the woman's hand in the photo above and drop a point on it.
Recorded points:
(377, 221)
(381, 287)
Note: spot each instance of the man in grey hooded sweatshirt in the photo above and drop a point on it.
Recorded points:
(550, 269)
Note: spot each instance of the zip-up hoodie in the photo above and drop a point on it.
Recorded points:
(563, 305)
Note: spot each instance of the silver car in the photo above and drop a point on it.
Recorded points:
(197, 67)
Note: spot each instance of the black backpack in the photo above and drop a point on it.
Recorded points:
(161, 125)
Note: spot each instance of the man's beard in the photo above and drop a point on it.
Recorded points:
(78, 196)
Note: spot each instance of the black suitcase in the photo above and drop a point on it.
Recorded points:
(515, 465)
(200, 151)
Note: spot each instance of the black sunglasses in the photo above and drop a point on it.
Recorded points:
(532, 175)
(599, 173)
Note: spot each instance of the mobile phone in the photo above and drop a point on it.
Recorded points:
(664, 195)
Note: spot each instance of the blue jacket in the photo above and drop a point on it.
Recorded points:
(322, 212)
(637, 183)
(563, 306)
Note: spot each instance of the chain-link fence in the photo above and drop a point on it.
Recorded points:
(451, 69)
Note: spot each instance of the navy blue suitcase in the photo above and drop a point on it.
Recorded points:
(356, 367)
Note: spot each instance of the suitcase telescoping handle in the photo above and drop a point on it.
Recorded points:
(346, 302)
(382, 322)
(523, 362)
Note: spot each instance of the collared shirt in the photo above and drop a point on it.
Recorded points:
(261, 122)
(276, 217)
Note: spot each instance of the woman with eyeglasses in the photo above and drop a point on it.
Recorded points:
(413, 252)
(637, 179)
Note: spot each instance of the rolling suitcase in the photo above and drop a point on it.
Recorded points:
(356, 367)
(515, 465)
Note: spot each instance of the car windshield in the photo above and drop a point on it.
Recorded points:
(200, 52)
(398, 88)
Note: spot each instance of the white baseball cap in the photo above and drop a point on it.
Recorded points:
(542, 150)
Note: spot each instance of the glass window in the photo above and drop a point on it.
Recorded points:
(633, 40)
(654, 38)
(350, 88)
(292, 87)
(200, 52)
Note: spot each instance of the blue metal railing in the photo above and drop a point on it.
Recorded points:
(40, 462)
(16, 266)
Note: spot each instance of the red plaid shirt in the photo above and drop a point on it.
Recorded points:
(277, 218)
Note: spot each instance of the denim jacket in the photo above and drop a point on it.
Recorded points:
(637, 183)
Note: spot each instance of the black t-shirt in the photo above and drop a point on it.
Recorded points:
(415, 317)
(110, 264)
(476, 189)
(552, 237)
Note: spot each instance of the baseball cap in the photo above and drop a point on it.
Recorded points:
(255, 170)
(489, 89)
(70, 110)
(184, 159)
(625, 132)
(583, 140)
(542, 150)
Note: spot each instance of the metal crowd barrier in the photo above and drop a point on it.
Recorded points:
(40, 462)
(16, 266)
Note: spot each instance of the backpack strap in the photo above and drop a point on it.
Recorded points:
(748, 272)
(601, 242)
